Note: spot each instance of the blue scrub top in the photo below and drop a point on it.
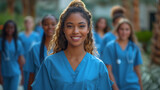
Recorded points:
(27, 42)
(34, 61)
(109, 36)
(39, 30)
(56, 73)
(98, 40)
(10, 66)
(125, 76)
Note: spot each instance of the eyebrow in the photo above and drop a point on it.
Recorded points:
(78, 23)
(69, 23)
(82, 23)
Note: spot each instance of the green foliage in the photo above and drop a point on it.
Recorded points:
(144, 36)
(19, 19)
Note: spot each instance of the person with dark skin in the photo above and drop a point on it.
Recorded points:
(11, 56)
(72, 65)
(39, 50)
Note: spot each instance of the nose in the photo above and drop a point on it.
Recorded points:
(49, 26)
(76, 30)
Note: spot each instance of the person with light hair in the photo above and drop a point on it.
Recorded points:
(123, 58)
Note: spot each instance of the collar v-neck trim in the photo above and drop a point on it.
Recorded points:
(69, 65)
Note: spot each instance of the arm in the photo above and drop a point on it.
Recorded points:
(21, 62)
(137, 70)
(109, 67)
(31, 79)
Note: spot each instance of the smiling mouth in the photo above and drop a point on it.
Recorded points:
(76, 38)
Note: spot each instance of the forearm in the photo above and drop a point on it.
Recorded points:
(137, 70)
(31, 79)
(111, 76)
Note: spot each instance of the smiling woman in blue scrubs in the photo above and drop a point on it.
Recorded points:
(72, 65)
(39, 50)
(28, 37)
(123, 57)
(11, 53)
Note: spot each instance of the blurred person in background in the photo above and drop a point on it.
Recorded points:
(11, 56)
(117, 12)
(39, 29)
(100, 29)
(28, 37)
(38, 51)
(123, 58)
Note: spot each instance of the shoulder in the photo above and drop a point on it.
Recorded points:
(34, 33)
(21, 33)
(107, 34)
(134, 45)
(52, 59)
(36, 45)
(111, 43)
(93, 59)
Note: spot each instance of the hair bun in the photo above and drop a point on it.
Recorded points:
(76, 3)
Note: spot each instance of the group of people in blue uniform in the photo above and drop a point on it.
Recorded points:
(71, 54)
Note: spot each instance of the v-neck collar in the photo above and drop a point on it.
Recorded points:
(69, 65)
(28, 35)
(117, 44)
(9, 42)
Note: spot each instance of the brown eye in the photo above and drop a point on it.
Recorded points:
(69, 26)
(82, 26)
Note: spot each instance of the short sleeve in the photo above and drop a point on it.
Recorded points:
(104, 81)
(43, 79)
(20, 48)
(106, 56)
(138, 59)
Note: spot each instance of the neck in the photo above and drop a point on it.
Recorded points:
(47, 40)
(28, 30)
(122, 41)
(75, 51)
(100, 32)
(9, 38)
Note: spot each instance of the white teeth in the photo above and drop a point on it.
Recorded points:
(76, 37)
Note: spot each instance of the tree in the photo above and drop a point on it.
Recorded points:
(29, 7)
(155, 55)
(10, 5)
(136, 23)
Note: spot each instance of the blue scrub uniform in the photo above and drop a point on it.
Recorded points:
(106, 39)
(27, 41)
(39, 30)
(98, 40)
(123, 63)
(10, 68)
(56, 73)
(34, 61)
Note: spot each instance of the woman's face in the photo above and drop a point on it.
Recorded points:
(124, 31)
(29, 24)
(10, 29)
(49, 26)
(76, 29)
(101, 24)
